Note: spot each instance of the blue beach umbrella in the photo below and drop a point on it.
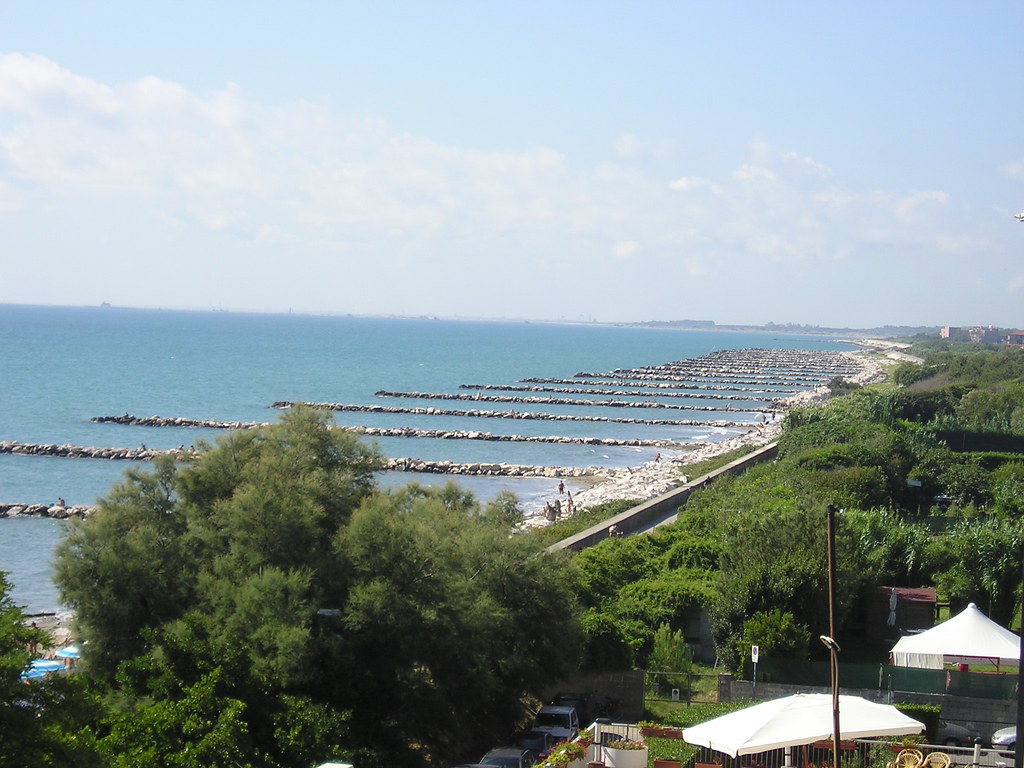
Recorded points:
(68, 652)
(39, 668)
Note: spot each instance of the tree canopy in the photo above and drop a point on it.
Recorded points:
(270, 586)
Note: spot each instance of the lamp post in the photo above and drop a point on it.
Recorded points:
(829, 640)
(1018, 747)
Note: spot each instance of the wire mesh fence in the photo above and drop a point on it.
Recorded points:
(686, 687)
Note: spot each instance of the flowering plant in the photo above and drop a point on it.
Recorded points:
(563, 753)
(626, 744)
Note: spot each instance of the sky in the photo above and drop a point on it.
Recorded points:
(841, 164)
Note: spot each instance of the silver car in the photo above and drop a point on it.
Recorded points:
(1005, 738)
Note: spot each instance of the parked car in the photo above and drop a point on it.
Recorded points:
(578, 702)
(1005, 738)
(509, 757)
(561, 722)
(952, 734)
(538, 742)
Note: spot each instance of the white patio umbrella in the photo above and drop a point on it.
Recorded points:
(798, 719)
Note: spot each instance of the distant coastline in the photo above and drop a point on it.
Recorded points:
(885, 331)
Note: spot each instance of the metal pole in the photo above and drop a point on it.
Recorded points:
(830, 513)
(1018, 747)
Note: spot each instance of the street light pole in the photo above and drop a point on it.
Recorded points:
(833, 647)
(1018, 747)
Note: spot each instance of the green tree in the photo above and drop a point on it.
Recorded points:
(290, 593)
(1008, 489)
(669, 651)
(125, 567)
(979, 561)
(776, 634)
(50, 721)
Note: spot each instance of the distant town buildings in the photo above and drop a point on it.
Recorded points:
(982, 335)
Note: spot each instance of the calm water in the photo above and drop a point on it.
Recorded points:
(63, 366)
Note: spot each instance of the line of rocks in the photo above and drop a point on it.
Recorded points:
(615, 392)
(177, 421)
(692, 383)
(656, 477)
(525, 415)
(776, 365)
(438, 434)
(68, 451)
(396, 464)
(491, 469)
(555, 401)
(441, 434)
(56, 511)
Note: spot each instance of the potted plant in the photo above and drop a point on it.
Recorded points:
(651, 729)
(625, 753)
(565, 754)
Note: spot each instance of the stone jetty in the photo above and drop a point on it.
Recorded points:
(176, 421)
(68, 451)
(779, 366)
(768, 381)
(762, 385)
(588, 387)
(556, 401)
(438, 434)
(522, 415)
(56, 511)
(656, 477)
(395, 465)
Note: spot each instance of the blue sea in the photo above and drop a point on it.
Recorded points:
(63, 366)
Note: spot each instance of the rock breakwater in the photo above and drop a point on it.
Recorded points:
(56, 511)
(67, 451)
(753, 395)
(522, 415)
(556, 401)
(438, 434)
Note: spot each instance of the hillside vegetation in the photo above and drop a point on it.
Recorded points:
(751, 550)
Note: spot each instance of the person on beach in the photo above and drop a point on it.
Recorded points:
(561, 487)
(61, 502)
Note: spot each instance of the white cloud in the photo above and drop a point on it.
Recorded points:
(211, 178)
(1015, 283)
(1014, 170)
(910, 204)
(625, 250)
(754, 173)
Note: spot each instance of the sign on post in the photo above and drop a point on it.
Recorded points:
(755, 651)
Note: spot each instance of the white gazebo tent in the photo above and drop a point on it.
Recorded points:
(795, 720)
(968, 637)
